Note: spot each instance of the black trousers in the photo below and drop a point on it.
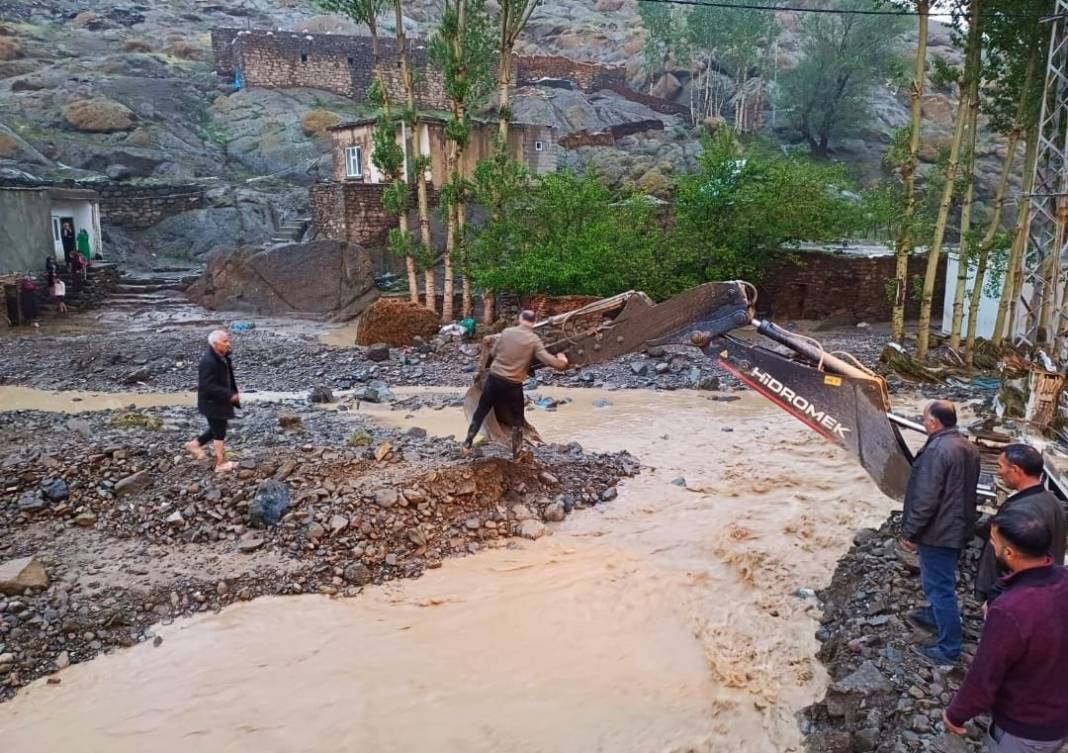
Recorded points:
(505, 398)
(216, 431)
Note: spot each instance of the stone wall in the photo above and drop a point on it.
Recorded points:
(587, 77)
(339, 64)
(354, 212)
(816, 285)
(608, 138)
(656, 104)
(144, 206)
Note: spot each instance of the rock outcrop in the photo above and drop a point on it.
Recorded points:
(324, 278)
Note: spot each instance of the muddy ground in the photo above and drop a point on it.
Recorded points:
(132, 532)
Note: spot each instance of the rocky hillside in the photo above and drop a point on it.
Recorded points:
(127, 92)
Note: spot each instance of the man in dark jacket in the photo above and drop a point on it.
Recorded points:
(216, 397)
(1020, 672)
(938, 521)
(1020, 468)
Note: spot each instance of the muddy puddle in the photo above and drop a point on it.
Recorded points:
(666, 620)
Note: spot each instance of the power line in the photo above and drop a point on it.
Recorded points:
(840, 11)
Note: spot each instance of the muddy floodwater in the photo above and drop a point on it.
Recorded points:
(666, 620)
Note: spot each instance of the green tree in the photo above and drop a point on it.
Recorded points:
(968, 88)
(739, 209)
(843, 58)
(660, 37)
(462, 47)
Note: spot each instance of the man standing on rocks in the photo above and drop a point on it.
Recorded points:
(513, 353)
(1020, 468)
(216, 397)
(939, 518)
(1020, 672)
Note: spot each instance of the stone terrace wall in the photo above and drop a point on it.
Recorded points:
(144, 206)
(354, 212)
(816, 285)
(339, 64)
(587, 77)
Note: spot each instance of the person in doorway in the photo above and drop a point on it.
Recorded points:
(1020, 468)
(217, 396)
(84, 249)
(70, 244)
(513, 353)
(1019, 673)
(938, 520)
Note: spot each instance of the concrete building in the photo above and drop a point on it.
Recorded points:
(533, 145)
(32, 219)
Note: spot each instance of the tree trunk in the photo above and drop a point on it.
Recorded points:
(488, 309)
(450, 243)
(986, 245)
(504, 82)
(923, 329)
(908, 172)
(465, 281)
(1006, 316)
(964, 255)
(413, 280)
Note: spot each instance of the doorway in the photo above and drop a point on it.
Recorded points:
(67, 240)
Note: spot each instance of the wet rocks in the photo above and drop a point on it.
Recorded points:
(386, 497)
(358, 574)
(31, 502)
(21, 574)
(133, 484)
(55, 489)
(532, 529)
(321, 395)
(860, 688)
(376, 391)
(554, 513)
(378, 352)
(269, 504)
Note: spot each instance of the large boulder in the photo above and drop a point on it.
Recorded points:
(327, 278)
(396, 322)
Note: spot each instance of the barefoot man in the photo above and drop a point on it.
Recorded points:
(513, 353)
(216, 397)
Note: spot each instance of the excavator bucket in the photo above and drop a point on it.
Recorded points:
(850, 410)
(625, 323)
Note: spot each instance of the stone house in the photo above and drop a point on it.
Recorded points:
(350, 206)
(533, 145)
(32, 219)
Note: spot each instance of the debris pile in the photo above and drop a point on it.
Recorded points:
(396, 322)
(882, 697)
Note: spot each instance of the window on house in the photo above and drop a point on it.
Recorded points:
(539, 146)
(304, 57)
(354, 162)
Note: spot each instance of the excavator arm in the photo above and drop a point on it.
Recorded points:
(835, 396)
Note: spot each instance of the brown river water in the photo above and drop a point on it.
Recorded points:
(665, 621)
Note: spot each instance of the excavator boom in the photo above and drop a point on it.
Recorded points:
(835, 396)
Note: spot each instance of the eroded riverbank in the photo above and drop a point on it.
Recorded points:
(667, 618)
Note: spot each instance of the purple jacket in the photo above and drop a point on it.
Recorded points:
(1020, 672)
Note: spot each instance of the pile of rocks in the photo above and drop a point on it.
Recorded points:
(882, 697)
(326, 505)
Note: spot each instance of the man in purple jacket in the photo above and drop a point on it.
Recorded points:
(1020, 672)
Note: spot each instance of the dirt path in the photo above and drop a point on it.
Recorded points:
(667, 620)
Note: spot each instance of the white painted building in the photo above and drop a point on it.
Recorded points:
(988, 304)
(32, 220)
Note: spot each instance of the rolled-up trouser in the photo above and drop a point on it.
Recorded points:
(216, 431)
(1000, 741)
(506, 400)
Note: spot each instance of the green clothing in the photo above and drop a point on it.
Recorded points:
(83, 245)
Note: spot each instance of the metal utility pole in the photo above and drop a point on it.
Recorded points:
(1045, 263)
